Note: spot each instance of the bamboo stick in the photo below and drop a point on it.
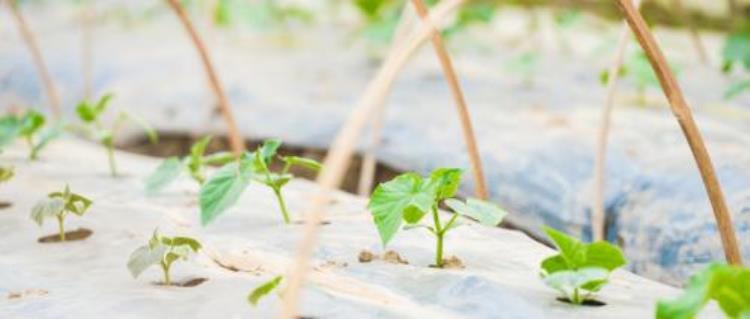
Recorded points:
(36, 55)
(684, 117)
(338, 158)
(458, 96)
(598, 215)
(235, 139)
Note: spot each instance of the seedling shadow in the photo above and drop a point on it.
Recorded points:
(587, 302)
(303, 222)
(73, 235)
(5, 205)
(187, 283)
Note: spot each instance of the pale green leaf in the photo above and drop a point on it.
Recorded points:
(391, 200)
(302, 162)
(145, 257)
(164, 174)
(46, 208)
(263, 290)
(570, 282)
(222, 190)
(445, 182)
(486, 213)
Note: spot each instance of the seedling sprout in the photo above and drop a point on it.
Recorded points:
(59, 205)
(194, 164)
(162, 251)
(29, 127)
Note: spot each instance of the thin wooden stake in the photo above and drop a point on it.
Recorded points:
(598, 215)
(36, 55)
(458, 97)
(684, 117)
(235, 140)
(339, 155)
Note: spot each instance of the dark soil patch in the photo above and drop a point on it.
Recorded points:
(187, 283)
(72, 235)
(587, 302)
(4, 205)
(171, 144)
(451, 262)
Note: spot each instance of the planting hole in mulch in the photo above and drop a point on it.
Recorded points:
(73, 235)
(451, 262)
(302, 222)
(4, 205)
(187, 283)
(587, 302)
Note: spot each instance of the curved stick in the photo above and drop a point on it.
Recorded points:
(598, 215)
(36, 55)
(235, 140)
(338, 158)
(458, 96)
(684, 117)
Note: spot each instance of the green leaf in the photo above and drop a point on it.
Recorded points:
(268, 150)
(405, 197)
(164, 174)
(223, 189)
(85, 112)
(193, 244)
(46, 208)
(263, 290)
(576, 255)
(10, 125)
(47, 137)
(486, 213)
(736, 89)
(445, 181)
(220, 158)
(197, 151)
(273, 180)
(144, 257)
(571, 249)
(77, 204)
(570, 282)
(31, 123)
(102, 104)
(302, 162)
(6, 173)
(604, 255)
(737, 49)
(692, 300)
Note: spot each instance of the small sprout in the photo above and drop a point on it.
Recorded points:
(579, 270)
(263, 290)
(90, 114)
(728, 285)
(224, 188)
(59, 205)
(409, 197)
(6, 173)
(162, 251)
(195, 164)
(29, 128)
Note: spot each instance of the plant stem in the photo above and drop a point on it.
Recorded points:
(165, 269)
(576, 297)
(439, 234)
(32, 152)
(61, 227)
(282, 204)
(111, 158)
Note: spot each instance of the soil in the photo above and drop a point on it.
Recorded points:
(4, 205)
(72, 235)
(587, 302)
(187, 283)
(451, 262)
(26, 293)
(179, 145)
(366, 256)
(393, 257)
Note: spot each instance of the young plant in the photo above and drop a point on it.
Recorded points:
(59, 205)
(410, 197)
(264, 289)
(162, 251)
(28, 127)
(194, 164)
(728, 285)
(737, 52)
(579, 270)
(91, 113)
(224, 188)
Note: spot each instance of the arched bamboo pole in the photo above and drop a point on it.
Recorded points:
(684, 117)
(235, 140)
(36, 55)
(598, 215)
(458, 96)
(338, 158)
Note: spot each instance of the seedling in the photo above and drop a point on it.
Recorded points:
(579, 270)
(59, 205)
(194, 164)
(260, 13)
(224, 188)
(409, 197)
(28, 127)
(91, 113)
(728, 285)
(737, 52)
(263, 289)
(526, 65)
(6, 173)
(162, 251)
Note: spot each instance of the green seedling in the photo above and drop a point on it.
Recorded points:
(194, 164)
(579, 270)
(6, 173)
(410, 197)
(729, 286)
(224, 188)
(162, 251)
(737, 52)
(526, 65)
(29, 127)
(59, 205)
(264, 13)
(263, 290)
(91, 113)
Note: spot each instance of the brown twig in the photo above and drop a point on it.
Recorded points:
(598, 218)
(458, 97)
(235, 140)
(36, 55)
(684, 117)
(338, 158)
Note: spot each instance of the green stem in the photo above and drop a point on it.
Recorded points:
(576, 297)
(282, 204)
(165, 269)
(439, 234)
(111, 158)
(61, 227)
(32, 152)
